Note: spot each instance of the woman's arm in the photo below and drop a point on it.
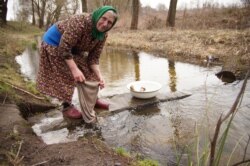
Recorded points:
(96, 70)
(72, 30)
(76, 72)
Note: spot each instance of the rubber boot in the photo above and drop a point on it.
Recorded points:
(72, 112)
(102, 104)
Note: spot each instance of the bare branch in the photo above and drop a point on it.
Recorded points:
(245, 152)
(234, 107)
(15, 87)
(214, 141)
(221, 120)
(241, 162)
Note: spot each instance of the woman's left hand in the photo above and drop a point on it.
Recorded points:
(97, 71)
(102, 83)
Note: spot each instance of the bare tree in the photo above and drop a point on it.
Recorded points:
(23, 11)
(54, 9)
(84, 6)
(33, 13)
(40, 6)
(171, 13)
(57, 12)
(135, 14)
(75, 6)
(71, 7)
(246, 2)
(3, 12)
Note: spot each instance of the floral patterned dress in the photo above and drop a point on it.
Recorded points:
(54, 76)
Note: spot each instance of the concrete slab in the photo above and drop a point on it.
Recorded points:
(53, 120)
(126, 101)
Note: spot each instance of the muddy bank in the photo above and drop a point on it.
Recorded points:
(227, 47)
(19, 145)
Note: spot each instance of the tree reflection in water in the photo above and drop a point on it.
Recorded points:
(172, 75)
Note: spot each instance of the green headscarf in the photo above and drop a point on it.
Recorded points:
(97, 14)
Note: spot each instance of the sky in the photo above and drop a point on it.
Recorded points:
(188, 3)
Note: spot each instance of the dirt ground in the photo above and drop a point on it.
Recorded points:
(20, 146)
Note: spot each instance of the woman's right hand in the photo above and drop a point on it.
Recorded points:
(78, 75)
(76, 72)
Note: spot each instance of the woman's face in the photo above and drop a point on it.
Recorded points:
(105, 22)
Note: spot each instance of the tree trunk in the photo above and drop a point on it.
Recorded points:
(84, 6)
(54, 15)
(171, 13)
(39, 6)
(33, 13)
(48, 21)
(41, 19)
(57, 13)
(3, 12)
(135, 14)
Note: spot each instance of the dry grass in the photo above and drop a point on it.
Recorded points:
(220, 18)
(187, 43)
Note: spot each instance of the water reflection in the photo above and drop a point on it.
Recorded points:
(122, 67)
(137, 66)
(172, 74)
(29, 61)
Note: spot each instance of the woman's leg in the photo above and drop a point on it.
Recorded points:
(102, 104)
(70, 111)
(65, 104)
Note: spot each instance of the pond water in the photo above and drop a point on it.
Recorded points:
(161, 131)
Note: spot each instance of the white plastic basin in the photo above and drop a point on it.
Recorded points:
(144, 89)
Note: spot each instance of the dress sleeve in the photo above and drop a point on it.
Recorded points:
(73, 28)
(94, 54)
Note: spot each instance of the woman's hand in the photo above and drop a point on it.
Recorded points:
(76, 72)
(78, 75)
(96, 70)
(102, 83)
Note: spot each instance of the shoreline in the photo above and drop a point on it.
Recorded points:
(229, 48)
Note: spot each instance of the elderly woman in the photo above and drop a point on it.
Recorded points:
(70, 53)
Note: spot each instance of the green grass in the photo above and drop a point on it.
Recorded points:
(31, 86)
(22, 27)
(139, 162)
(122, 152)
(147, 162)
(213, 152)
(15, 37)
